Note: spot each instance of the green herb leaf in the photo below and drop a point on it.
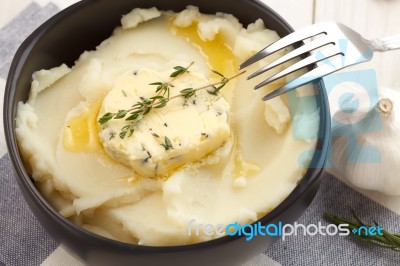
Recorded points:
(105, 118)
(147, 110)
(156, 83)
(161, 103)
(187, 93)
(122, 134)
(132, 117)
(179, 70)
(218, 73)
(128, 129)
(167, 144)
(121, 114)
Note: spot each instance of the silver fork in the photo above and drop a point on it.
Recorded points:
(339, 44)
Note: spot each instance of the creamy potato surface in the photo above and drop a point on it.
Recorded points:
(211, 159)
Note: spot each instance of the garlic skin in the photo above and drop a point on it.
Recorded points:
(366, 154)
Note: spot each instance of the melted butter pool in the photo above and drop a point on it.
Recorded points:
(81, 132)
(219, 56)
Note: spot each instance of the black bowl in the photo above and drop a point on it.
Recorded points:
(83, 26)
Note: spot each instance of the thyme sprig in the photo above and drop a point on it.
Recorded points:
(136, 113)
(165, 87)
(386, 240)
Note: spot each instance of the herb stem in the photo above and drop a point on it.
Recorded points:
(386, 240)
(174, 75)
(211, 85)
(162, 97)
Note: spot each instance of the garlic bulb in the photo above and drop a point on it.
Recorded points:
(366, 151)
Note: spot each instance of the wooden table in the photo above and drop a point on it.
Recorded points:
(371, 18)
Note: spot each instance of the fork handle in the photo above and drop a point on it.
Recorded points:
(386, 43)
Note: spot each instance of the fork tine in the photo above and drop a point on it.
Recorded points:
(293, 54)
(314, 74)
(299, 65)
(290, 39)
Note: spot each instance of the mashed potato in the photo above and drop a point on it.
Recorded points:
(230, 157)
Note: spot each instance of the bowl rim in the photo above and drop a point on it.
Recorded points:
(21, 175)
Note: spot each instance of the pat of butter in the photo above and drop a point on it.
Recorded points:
(195, 127)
